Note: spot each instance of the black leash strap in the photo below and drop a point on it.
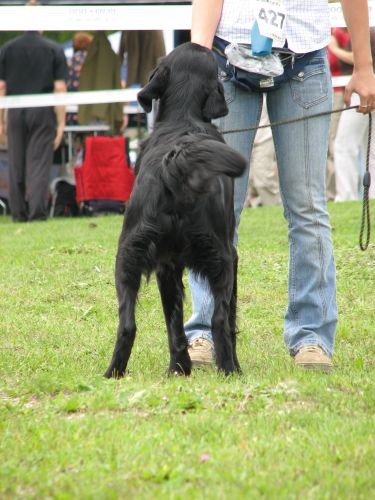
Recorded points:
(366, 221)
(286, 122)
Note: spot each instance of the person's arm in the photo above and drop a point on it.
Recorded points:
(344, 55)
(3, 91)
(205, 19)
(363, 80)
(60, 86)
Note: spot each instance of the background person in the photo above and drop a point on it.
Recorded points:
(31, 64)
(339, 38)
(301, 151)
(81, 43)
(350, 146)
(101, 71)
(141, 50)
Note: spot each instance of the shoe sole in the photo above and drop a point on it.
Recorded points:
(201, 363)
(315, 366)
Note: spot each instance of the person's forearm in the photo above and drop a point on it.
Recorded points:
(357, 20)
(205, 18)
(344, 55)
(60, 116)
(2, 94)
(60, 87)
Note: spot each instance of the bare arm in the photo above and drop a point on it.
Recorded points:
(60, 86)
(3, 91)
(205, 19)
(363, 79)
(344, 55)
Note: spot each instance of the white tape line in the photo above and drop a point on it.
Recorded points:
(72, 99)
(69, 98)
(116, 17)
(95, 17)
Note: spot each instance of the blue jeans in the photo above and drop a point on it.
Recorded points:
(301, 151)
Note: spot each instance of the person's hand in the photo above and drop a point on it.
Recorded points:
(58, 137)
(2, 128)
(363, 84)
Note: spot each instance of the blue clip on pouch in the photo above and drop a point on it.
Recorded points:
(260, 45)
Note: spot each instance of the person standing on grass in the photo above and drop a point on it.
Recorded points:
(31, 64)
(340, 39)
(301, 150)
(350, 145)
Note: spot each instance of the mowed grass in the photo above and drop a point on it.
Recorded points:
(273, 432)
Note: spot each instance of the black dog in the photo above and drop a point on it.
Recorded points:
(181, 210)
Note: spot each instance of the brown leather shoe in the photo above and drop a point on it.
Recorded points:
(201, 352)
(314, 358)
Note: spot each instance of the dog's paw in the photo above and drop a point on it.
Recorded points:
(180, 363)
(113, 373)
(228, 368)
(176, 373)
(180, 368)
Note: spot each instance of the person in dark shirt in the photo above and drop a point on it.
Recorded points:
(31, 64)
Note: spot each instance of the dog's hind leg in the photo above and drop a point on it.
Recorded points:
(127, 285)
(222, 337)
(222, 323)
(233, 311)
(172, 294)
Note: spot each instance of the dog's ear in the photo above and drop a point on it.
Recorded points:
(154, 89)
(215, 105)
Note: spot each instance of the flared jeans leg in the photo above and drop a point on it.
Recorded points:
(301, 151)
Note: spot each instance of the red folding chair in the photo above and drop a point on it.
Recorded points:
(105, 173)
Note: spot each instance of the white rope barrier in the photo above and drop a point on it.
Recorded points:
(73, 99)
(102, 17)
(116, 17)
(68, 98)
(95, 17)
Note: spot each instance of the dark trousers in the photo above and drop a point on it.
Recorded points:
(31, 133)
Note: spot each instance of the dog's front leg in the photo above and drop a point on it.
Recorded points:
(172, 293)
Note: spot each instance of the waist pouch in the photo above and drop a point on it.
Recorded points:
(293, 65)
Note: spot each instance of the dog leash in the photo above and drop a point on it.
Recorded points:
(365, 219)
(286, 122)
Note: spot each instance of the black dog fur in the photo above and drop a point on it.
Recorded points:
(181, 209)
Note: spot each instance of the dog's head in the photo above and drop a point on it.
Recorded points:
(187, 74)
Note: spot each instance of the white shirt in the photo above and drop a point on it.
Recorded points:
(307, 24)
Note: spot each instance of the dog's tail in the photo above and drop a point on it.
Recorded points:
(195, 160)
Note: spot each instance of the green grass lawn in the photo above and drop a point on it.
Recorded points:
(273, 432)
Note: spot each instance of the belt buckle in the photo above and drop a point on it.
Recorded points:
(266, 82)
